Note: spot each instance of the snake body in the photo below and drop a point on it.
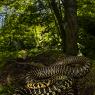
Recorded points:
(54, 79)
(75, 66)
(52, 86)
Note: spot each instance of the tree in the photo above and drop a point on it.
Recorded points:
(68, 27)
(22, 19)
(71, 27)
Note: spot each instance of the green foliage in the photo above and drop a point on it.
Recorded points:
(31, 25)
(6, 90)
(88, 44)
(86, 21)
(28, 25)
(86, 8)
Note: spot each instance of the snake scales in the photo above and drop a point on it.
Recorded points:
(54, 79)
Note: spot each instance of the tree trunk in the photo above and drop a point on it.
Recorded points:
(71, 27)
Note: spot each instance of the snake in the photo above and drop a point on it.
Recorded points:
(50, 86)
(74, 66)
(56, 78)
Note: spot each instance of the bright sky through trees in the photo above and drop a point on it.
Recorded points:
(1, 20)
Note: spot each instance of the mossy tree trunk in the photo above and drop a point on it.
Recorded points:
(60, 21)
(71, 27)
(68, 27)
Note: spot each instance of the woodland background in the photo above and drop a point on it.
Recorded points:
(31, 30)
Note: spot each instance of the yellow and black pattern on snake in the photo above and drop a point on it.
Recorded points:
(74, 66)
(44, 81)
(61, 85)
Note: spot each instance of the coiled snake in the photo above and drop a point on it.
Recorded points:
(54, 79)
